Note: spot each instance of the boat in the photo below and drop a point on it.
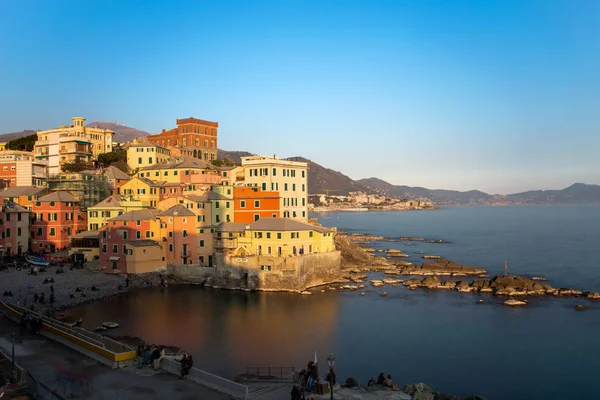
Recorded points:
(36, 261)
(100, 329)
(110, 324)
(72, 321)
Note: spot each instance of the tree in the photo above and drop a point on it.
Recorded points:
(107, 159)
(25, 143)
(76, 166)
(122, 165)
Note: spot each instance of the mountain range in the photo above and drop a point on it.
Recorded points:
(324, 180)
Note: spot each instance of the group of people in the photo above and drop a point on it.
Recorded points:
(382, 381)
(150, 356)
(60, 271)
(34, 324)
(7, 293)
(48, 280)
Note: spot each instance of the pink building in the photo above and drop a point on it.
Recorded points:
(179, 235)
(14, 229)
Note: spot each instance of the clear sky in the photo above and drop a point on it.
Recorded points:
(500, 96)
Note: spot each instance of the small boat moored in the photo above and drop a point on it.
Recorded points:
(36, 261)
(110, 325)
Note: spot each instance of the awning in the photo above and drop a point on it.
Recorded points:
(114, 258)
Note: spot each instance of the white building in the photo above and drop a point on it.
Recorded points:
(21, 168)
(289, 178)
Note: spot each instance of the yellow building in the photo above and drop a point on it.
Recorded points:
(145, 154)
(277, 237)
(75, 142)
(3, 146)
(143, 190)
(144, 256)
(112, 206)
(179, 169)
(85, 246)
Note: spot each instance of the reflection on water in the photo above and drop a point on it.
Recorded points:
(225, 331)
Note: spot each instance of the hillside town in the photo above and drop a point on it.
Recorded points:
(362, 201)
(173, 204)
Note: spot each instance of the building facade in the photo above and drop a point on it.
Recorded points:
(21, 168)
(289, 178)
(69, 143)
(113, 206)
(196, 136)
(25, 196)
(251, 204)
(14, 229)
(56, 217)
(146, 153)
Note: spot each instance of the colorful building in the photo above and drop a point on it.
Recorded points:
(119, 231)
(25, 196)
(69, 143)
(196, 136)
(251, 204)
(144, 256)
(275, 237)
(113, 206)
(56, 217)
(14, 229)
(289, 178)
(116, 178)
(85, 246)
(144, 154)
(21, 168)
(180, 169)
(179, 235)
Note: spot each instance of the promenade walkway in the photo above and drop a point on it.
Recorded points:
(77, 377)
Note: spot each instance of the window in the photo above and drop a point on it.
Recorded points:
(278, 235)
(303, 187)
(147, 234)
(185, 233)
(274, 171)
(18, 231)
(303, 213)
(265, 267)
(124, 249)
(115, 248)
(104, 247)
(124, 235)
(285, 186)
(274, 216)
(8, 232)
(40, 231)
(138, 234)
(170, 248)
(150, 160)
(202, 243)
(201, 231)
(264, 186)
(139, 160)
(256, 217)
(8, 216)
(19, 217)
(310, 234)
(138, 223)
(293, 187)
(269, 236)
(303, 174)
(175, 172)
(171, 234)
(216, 204)
(103, 234)
(303, 201)
(217, 218)
(256, 203)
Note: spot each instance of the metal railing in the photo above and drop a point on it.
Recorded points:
(271, 373)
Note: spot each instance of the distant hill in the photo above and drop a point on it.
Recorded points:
(122, 133)
(7, 137)
(438, 196)
(578, 193)
(235, 156)
(321, 179)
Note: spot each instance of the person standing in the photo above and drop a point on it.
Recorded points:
(140, 356)
(127, 282)
(159, 354)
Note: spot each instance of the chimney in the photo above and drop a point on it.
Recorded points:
(164, 130)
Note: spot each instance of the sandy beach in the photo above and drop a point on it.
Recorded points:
(24, 287)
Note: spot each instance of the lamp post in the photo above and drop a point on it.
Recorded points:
(331, 363)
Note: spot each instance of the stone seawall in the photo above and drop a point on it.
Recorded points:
(264, 273)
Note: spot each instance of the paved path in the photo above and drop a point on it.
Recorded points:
(76, 376)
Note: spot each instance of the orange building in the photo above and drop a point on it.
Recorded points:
(251, 204)
(25, 196)
(56, 217)
(195, 137)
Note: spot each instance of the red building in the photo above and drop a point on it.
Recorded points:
(56, 216)
(131, 226)
(195, 137)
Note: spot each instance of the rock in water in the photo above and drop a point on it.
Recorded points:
(416, 387)
(352, 382)
(513, 303)
(480, 301)
(581, 307)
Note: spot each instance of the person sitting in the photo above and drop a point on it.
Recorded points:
(94, 288)
(381, 379)
(186, 365)
(77, 289)
(295, 393)
(46, 280)
(331, 377)
(388, 381)
(52, 280)
(72, 296)
(5, 294)
(372, 381)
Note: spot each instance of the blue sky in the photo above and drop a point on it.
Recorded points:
(500, 96)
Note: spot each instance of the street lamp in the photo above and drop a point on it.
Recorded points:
(331, 363)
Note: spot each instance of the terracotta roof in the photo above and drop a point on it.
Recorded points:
(147, 143)
(180, 162)
(12, 207)
(137, 215)
(115, 173)
(142, 243)
(59, 196)
(232, 227)
(181, 211)
(284, 224)
(17, 191)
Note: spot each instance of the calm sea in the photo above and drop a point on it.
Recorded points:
(546, 350)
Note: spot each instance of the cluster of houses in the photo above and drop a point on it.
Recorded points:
(174, 207)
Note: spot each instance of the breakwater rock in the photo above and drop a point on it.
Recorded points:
(439, 267)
